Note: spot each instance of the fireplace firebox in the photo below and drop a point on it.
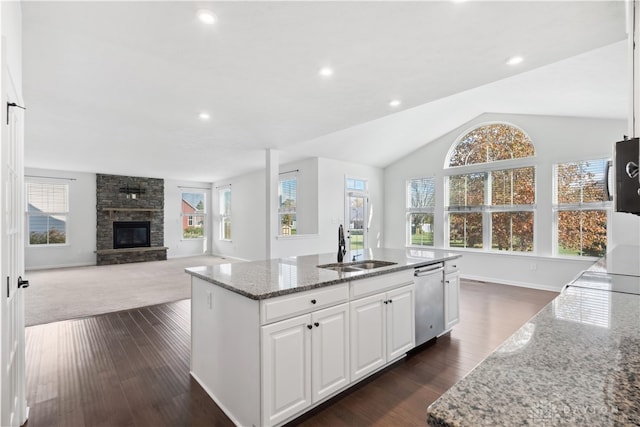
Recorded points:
(131, 234)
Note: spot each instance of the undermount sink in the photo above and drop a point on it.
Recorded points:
(369, 264)
(347, 267)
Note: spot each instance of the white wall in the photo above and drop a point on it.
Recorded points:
(11, 24)
(81, 225)
(321, 196)
(81, 222)
(179, 247)
(247, 218)
(557, 139)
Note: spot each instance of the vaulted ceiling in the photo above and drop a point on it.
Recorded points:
(117, 87)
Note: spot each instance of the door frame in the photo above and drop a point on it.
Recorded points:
(13, 405)
(364, 193)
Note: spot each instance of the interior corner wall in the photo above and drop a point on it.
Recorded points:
(331, 208)
(179, 247)
(321, 193)
(331, 178)
(248, 228)
(81, 224)
(557, 139)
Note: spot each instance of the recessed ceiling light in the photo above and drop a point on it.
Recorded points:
(514, 60)
(394, 103)
(326, 72)
(204, 116)
(206, 16)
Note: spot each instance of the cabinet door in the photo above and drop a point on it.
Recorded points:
(400, 321)
(286, 369)
(368, 335)
(451, 300)
(329, 351)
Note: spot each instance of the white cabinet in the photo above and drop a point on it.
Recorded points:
(304, 360)
(329, 351)
(368, 335)
(451, 294)
(400, 321)
(286, 369)
(382, 329)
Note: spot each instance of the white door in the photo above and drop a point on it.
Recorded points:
(356, 224)
(329, 351)
(286, 369)
(13, 411)
(368, 335)
(401, 335)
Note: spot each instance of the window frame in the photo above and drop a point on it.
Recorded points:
(419, 210)
(192, 215)
(486, 209)
(606, 206)
(46, 214)
(224, 214)
(287, 176)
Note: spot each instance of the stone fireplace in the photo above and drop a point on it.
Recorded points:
(130, 219)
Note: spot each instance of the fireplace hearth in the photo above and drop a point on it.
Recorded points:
(131, 234)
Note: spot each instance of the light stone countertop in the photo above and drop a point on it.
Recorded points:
(275, 277)
(576, 363)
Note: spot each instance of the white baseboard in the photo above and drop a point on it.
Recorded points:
(49, 267)
(538, 286)
(231, 257)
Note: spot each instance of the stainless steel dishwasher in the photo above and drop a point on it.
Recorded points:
(429, 302)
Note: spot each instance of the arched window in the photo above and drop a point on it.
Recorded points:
(491, 189)
(490, 143)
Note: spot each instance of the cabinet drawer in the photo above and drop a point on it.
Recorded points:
(452, 266)
(372, 285)
(286, 306)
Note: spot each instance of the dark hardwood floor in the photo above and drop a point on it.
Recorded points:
(131, 368)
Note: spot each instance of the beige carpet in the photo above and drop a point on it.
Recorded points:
(68, 293)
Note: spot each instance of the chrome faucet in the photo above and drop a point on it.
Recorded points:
(342, 246)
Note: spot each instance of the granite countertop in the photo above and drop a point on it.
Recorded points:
(274, 277)
(577, 362)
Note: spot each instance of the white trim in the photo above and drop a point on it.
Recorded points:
(298, 237)
(227, 257)
(512, 283)
(56, 266)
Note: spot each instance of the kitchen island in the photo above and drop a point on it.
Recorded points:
(577, 362)
(273, 339)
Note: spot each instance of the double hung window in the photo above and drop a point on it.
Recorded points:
(193, 215)
(47, 211)
(420, 211)
(287, 204)
(224, 195)
(581, 206)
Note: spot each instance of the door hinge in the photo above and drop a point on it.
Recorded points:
(8, 286)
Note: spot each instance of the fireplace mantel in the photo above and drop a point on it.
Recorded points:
(112, 211)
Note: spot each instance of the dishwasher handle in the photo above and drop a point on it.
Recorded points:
(429, 270)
